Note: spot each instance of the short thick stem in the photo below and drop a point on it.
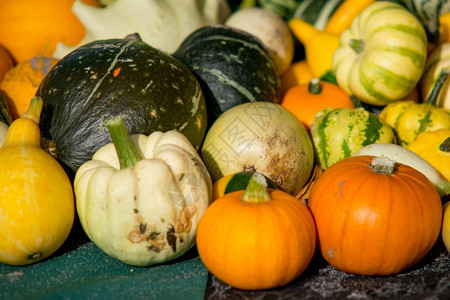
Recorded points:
(126, 150)
(357, 45)
(383, 165)
(433, 97)
(314, 86)
(256, 191)
(445, 146)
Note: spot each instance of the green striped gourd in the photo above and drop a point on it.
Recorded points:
(408, 118)
(382, 55)
(438, 59)
(428, 12)
(316, 12)
(236, 182)
(283, 8)
(338, 133)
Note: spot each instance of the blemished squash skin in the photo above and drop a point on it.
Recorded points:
(37, 206)
(148, 88)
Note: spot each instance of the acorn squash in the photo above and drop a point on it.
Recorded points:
(150, 89)
(233, 67)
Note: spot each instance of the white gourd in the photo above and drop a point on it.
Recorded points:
(163, 24)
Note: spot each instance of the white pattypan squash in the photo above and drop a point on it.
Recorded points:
(140, 198)
(163, 24)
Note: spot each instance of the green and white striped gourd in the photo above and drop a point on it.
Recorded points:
(428, 12)
(338, 133)
(283, 8)
(316, 12)
(382, 56)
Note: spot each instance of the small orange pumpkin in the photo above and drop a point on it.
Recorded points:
(22, 81)
(6, 62)
(258, 238)
(305, 100)
(32, 27)
(374, 216)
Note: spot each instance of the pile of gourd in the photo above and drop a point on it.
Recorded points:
(255, 130)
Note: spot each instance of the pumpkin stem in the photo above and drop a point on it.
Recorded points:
(357, 45)
(256, 191)
(432, 98)
(314, 86)
(134, 37)
(34, 110)
(383, 165)
(445, 146)
(125, 148)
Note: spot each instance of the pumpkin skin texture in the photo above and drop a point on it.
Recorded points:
(381, 57)
(263, 137)
(363, 216)
(256, 245)
(37, 206)
(233, 67)
(150, 89)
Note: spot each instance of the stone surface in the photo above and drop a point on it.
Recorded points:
(430, 279)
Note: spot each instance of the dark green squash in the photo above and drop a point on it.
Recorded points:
(5, 114)
(232, 66)
(151, 90)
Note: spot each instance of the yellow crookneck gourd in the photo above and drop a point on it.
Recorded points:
(319, 45)
(343, 17)
(37, 206)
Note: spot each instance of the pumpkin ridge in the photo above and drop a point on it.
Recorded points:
(380, 9)
(409, 30)
(365, 82)
(417, 58)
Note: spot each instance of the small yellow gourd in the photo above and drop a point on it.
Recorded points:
(37, 206)
(319, 45)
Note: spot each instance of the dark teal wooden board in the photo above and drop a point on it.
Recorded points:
(80, 270)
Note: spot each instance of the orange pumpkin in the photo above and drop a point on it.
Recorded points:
(305, 100)
(374, 216)
(22, 81)
(256, 239)
(6, 62)
(32, 27)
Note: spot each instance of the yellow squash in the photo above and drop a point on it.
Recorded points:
(319, 45)
(434, 147)
(343, 17)
(409, 119)
(37, 207)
